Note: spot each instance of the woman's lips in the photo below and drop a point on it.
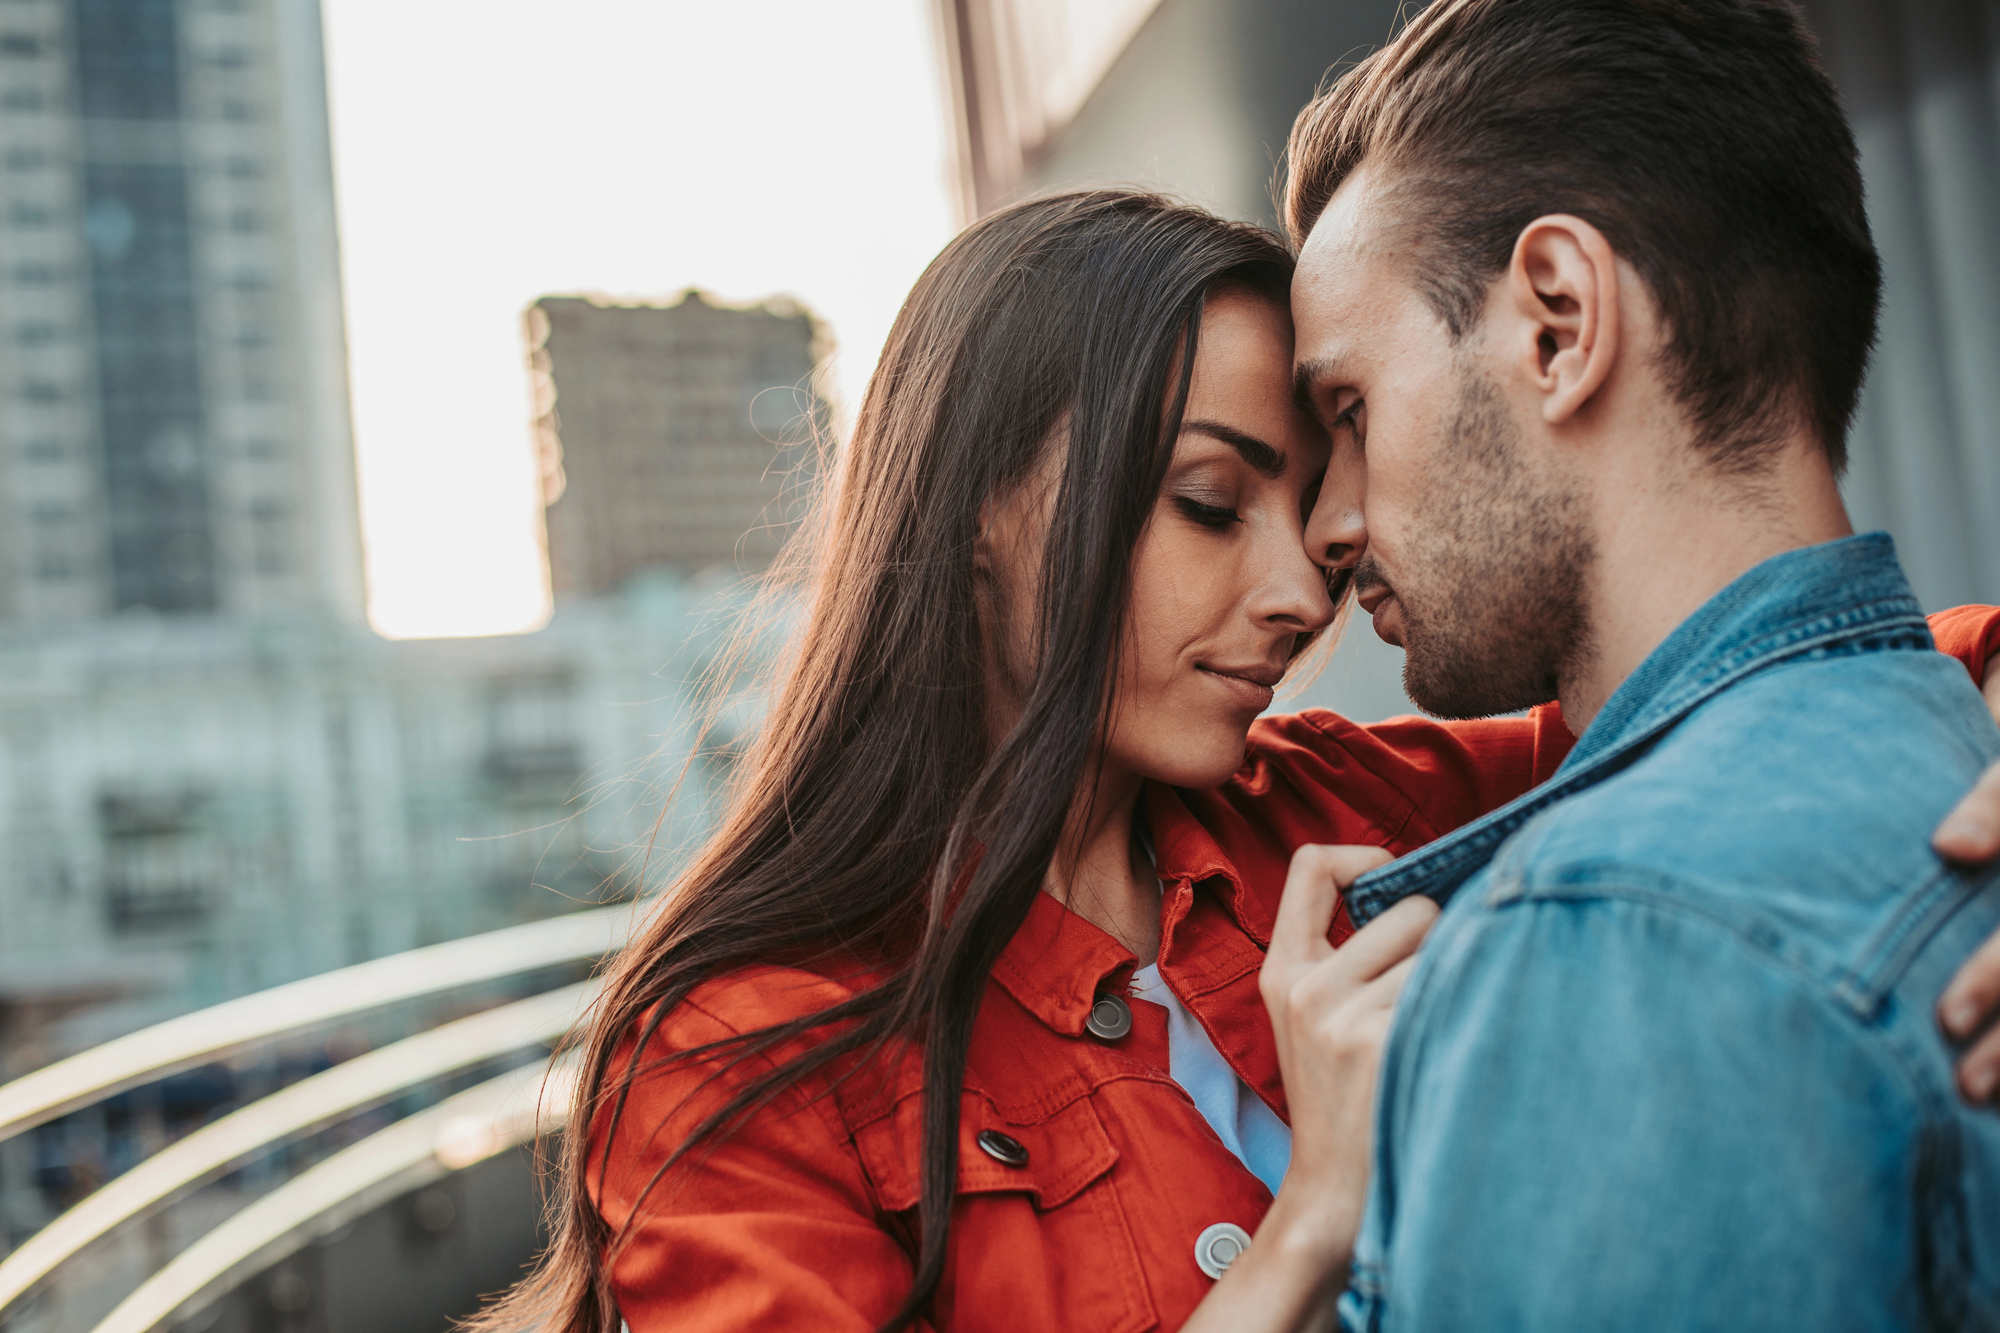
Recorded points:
(1253, 686)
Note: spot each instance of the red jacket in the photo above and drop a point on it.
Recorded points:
(803, 1219)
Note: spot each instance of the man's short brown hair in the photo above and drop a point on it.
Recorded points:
(1703, 139)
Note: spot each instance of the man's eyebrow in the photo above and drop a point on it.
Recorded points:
(1304, 376)
(1265, 460)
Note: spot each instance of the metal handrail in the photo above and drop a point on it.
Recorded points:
(227, 1028)
(305, 1105)
(499, 1114)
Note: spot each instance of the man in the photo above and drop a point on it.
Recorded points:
(1668, 1057)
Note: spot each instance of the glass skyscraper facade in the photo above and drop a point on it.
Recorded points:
(176, 434)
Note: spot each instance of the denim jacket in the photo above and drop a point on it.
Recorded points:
(1668, 1059)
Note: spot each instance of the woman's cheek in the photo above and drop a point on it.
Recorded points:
(1173, 726)
(1185, 733)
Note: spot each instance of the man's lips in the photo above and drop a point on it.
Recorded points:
(1253, 684)
(1387, 614)
(1373, 595)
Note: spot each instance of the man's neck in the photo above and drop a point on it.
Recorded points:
(1669, 541)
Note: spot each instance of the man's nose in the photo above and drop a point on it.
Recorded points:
(1336, 533)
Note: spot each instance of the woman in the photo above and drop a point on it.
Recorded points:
(873, 1064)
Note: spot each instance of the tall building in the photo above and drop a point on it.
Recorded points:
(670, 435)
(173, 403)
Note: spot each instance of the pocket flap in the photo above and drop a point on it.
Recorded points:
(1066, 1152)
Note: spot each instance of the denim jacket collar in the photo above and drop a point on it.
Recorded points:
(1802, 602)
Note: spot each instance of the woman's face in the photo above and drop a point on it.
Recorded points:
(1221, 584)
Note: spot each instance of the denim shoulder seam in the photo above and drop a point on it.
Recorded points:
(1647, 890)
(1882, 616)
(1894, 946)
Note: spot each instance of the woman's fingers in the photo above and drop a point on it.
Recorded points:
(1355, 1019)
(1383, 992)
(1312, 895)
(1332, 1020)
(1979, 1068)
(1303, 975)
(1971, 832)
(1970, 1002)
(1973, 994)
(1389, 940)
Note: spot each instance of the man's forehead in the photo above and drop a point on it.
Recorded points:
(1349, 266)
(1354, 222)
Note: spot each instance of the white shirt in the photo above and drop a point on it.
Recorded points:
(1247, 1127)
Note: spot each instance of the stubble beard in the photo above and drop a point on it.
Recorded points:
(1493, 592)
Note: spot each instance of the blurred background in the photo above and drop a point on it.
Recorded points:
(396, 397)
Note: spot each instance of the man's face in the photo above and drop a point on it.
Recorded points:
(1467, 549)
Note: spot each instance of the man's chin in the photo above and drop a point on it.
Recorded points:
(1458, 680)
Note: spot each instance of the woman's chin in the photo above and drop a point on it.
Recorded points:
(1196, 762)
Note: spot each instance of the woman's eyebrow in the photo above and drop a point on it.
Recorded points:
(1263, 459)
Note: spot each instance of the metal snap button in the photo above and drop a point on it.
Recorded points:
(1003, 1148)
(1110, 1018)
(1217, 1248)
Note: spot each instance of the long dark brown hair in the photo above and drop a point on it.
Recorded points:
(873, 818)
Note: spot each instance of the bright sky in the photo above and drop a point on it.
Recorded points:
(487, 152)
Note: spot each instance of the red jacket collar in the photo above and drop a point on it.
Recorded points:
(1188, 854)
(1058, 963)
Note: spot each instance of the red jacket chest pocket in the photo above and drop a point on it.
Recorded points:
(1039, 1238)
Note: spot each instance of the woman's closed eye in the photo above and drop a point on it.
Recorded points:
(1206, 514)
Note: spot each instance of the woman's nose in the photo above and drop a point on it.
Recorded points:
(1294, 598)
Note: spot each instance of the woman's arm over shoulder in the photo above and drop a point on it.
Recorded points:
(769, 1226)
(1316, 777)
(1444, 773)
(1971, 634)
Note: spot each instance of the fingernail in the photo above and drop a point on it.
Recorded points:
(1962, 828)
(1979, 1082)
(1960, 1016)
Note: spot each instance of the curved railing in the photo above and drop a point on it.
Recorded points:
(225, 1029)
(454, 1134)
(457, 1132)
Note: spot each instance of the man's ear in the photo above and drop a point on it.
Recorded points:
(1562, 290)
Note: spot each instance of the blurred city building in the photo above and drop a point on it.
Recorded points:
(1196, 97)
(213, 777)
(1018, 72)
(195, 811)
(175, 433)
(216, 780)
(670, 435)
